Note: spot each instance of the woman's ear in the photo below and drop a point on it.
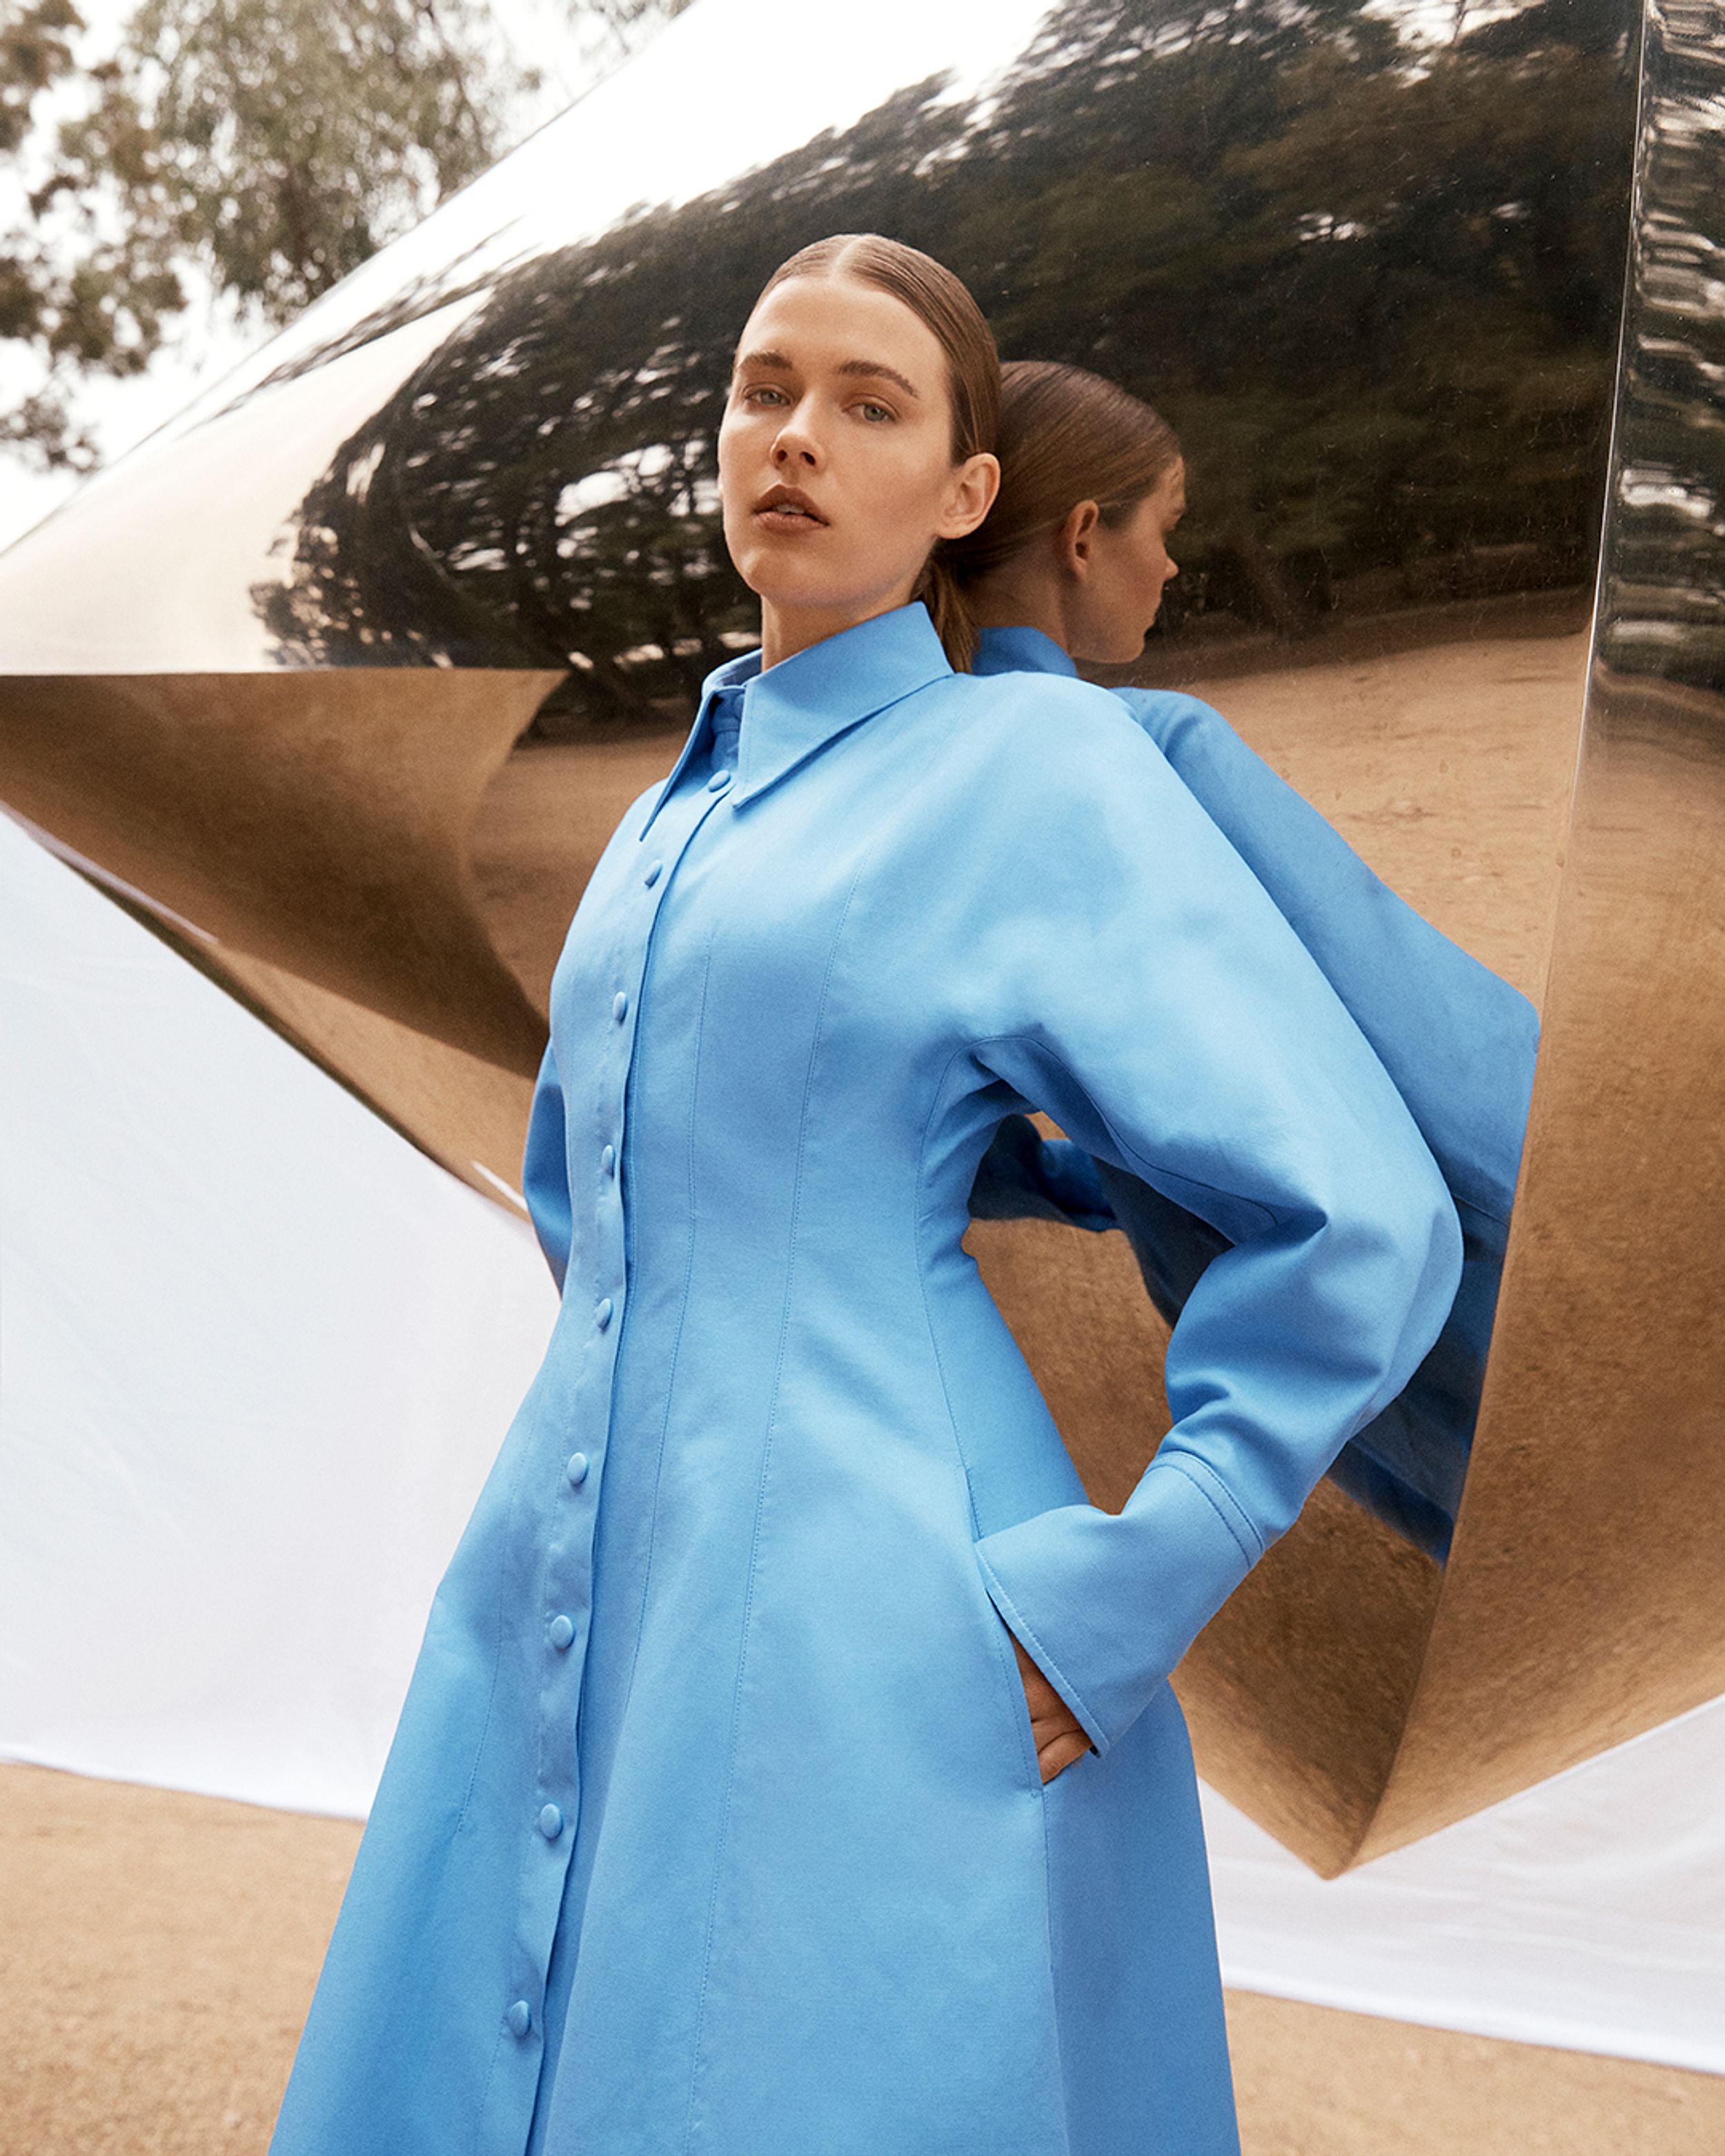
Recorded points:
(975, 484)
(1072, 541)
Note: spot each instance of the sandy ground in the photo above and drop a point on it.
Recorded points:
(159, 1951)
(1447, 765)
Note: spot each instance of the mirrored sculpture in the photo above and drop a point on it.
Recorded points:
(341, 680)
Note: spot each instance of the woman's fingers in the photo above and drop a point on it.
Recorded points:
(1060, 1752)
(1037, 1688)
(1056, 1732)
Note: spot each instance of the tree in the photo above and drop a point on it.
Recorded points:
(64, 308)
(1375, 289)
(264, 147)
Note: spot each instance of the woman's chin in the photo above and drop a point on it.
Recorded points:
(1122, 653)
(777, 578)
(815, 599)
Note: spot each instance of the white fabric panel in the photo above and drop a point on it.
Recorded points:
(256, 1355)
(1588, 1912)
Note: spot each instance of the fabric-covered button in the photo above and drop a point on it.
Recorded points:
(576, 1470)
(620, 1006)
(607, 1160)
(520, 2017)
(654, 873)
(561, 1631)
(602, 1312)
(551, 1822)
(719, 781)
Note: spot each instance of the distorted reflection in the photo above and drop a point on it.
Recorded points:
(1664, 610)
(1375, 285)
(366, 732)
(1374, 279)
(1399, 400)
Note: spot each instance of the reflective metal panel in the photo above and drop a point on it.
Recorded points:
(1583, 1602)
(348, 675)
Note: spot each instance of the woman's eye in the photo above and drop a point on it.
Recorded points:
(872, 413)
(764, 393)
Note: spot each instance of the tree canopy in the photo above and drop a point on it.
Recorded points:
(261, 148)
(1375, 287)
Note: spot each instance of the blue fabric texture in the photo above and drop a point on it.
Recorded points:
(802, 1888)
(1458, 1043)
(727, 721)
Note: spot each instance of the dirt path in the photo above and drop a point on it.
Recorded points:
(159, 1951)
(1447, 766)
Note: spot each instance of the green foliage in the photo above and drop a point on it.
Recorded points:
(39, 306)
(284, 140)
(259, 148)
(1376, 289)
(35, 51)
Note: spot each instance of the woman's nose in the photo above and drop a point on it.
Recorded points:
(795, 445)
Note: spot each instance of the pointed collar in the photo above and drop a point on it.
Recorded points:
(1020, 651)
(791, 709)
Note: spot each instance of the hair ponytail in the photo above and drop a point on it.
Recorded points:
(940, 591)
(1066, 436)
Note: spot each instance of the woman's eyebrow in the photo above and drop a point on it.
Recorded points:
(876, 370)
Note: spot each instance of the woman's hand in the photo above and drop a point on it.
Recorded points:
(1058, 1732)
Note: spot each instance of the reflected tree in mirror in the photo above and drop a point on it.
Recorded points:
(1374, 283)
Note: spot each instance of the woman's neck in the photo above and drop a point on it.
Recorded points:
(786, 630)
(1016, 597)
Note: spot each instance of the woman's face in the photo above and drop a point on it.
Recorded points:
(835, 458)
(1129, 563)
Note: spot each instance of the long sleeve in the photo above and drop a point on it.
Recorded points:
(545, 1169)
(1459, 1042)
(1149, 995)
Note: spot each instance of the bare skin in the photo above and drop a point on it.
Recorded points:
(836, 465)
(1058, 1732)
(1094, 587)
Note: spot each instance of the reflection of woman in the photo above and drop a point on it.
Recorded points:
(1071, 564)
(716, 1820)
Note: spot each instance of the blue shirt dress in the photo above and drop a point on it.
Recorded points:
(713, 1821)
(1459, 1042)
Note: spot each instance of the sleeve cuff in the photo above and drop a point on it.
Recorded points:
(1106, 1605)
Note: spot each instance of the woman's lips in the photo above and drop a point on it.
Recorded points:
(788, 509)
(785, 516)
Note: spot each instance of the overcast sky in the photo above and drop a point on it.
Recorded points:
(206, 340)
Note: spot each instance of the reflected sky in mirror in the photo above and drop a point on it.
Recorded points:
(1376, 290)
(1374, 283)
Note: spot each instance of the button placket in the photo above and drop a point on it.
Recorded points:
(568, 1565)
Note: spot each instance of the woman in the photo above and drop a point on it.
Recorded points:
(1071, 565)
(717, 1818)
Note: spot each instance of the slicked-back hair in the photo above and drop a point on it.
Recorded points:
(1066, 436)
